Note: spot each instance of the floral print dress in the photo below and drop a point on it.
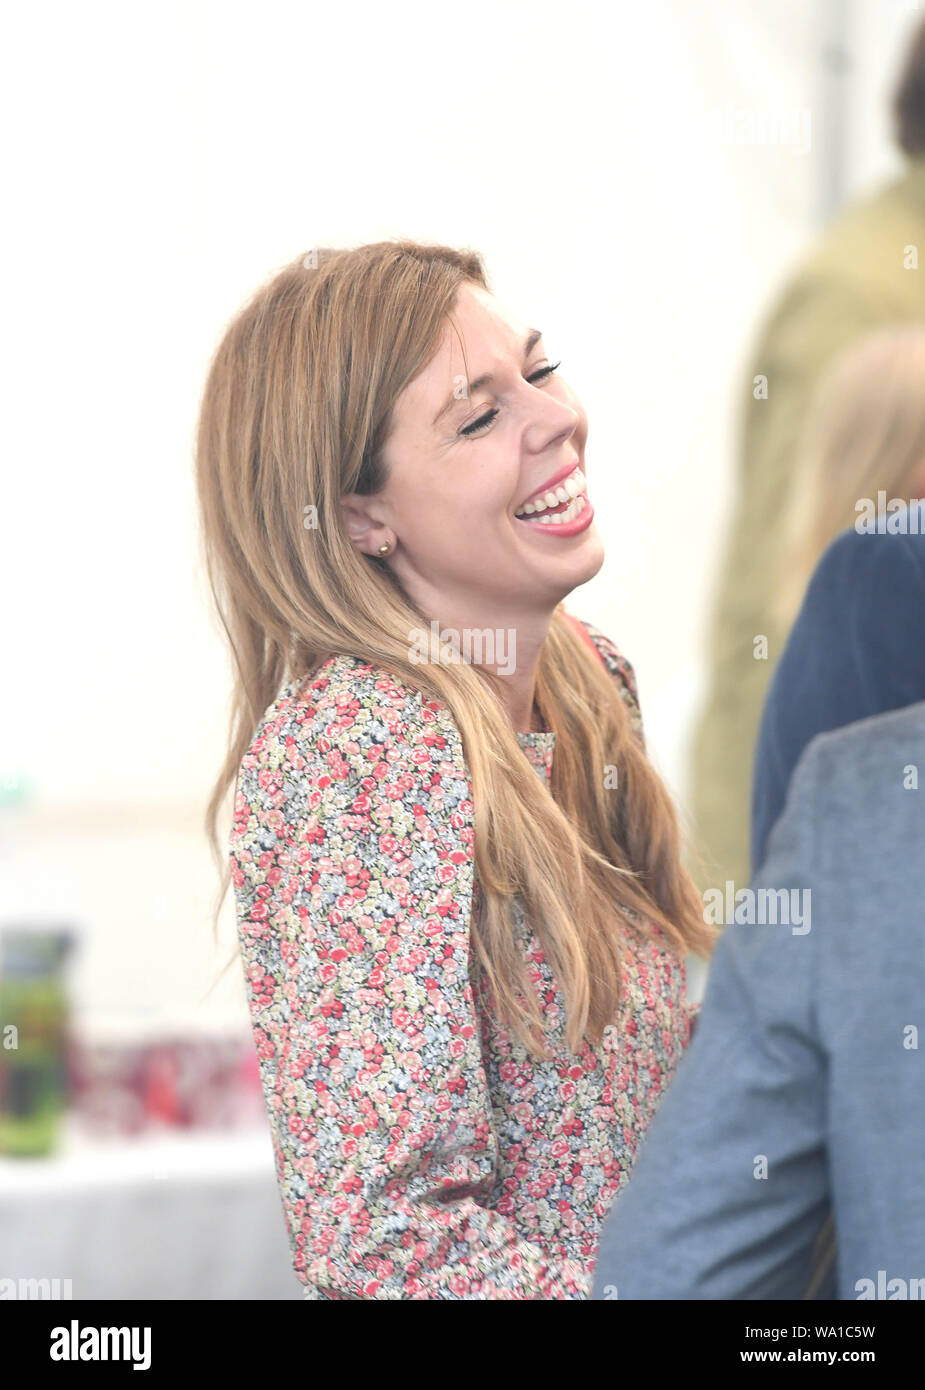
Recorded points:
(421, 1152)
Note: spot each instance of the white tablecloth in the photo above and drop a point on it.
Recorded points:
(178, 1217)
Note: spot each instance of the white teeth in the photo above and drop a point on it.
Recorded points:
(572, 487)
(575, 507)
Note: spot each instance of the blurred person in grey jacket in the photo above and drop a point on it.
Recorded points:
(802, 1096)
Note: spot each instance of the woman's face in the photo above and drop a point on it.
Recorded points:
(463, 459)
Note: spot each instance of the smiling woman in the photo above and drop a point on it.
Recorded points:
(462, 934)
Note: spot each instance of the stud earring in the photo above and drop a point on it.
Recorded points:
(385, 548)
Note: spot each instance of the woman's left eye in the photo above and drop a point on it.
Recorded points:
(544, 371)
(485, 420)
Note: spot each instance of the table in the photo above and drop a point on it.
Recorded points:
(169, 1216)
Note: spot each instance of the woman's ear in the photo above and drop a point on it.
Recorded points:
(366, 532)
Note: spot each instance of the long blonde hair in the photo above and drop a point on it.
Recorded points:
(864, 433)
(295, 412)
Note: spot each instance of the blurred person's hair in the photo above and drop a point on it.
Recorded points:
(909, 98)
(296, 411)
(864, 434)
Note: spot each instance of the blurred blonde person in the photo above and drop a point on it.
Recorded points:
(865, 436)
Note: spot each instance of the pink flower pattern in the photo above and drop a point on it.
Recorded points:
(421, 1152)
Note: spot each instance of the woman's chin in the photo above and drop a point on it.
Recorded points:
(587, 556)
(579, 564)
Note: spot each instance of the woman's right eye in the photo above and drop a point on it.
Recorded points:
(481, 423)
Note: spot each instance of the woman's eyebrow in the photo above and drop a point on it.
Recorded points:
(530, 343)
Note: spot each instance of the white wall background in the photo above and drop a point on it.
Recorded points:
(163, 160)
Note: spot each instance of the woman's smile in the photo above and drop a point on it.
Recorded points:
(559, 506)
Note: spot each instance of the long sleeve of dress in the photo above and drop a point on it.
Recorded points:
(352, 865)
